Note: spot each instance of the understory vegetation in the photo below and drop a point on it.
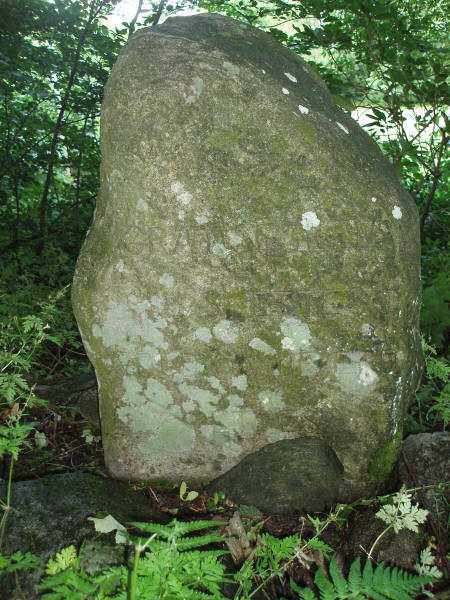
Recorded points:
(385, 62)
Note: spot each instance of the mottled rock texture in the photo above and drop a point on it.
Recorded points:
(252, 269)
(289, 476)
(427, 463)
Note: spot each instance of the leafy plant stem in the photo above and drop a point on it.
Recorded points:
(369, 556)
(8, 501)
(133, 575)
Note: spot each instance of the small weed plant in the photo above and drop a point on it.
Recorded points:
(21, 340)
(432, 408)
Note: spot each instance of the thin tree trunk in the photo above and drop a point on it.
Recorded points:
(436, 175)
(78, 176)
(159, 13)
(135, 18)
(93, 14)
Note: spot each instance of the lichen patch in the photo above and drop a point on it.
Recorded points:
(166, 280)
(271, 401)
(397, 212)
(182, 195)
(203, 334)
(310, 220)
(230, 68)
(297, 336)
(220, 250)
(262, 346)
(225, 332)
(141, 205)
(240, 382)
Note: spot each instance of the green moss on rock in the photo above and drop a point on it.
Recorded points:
(384, 459)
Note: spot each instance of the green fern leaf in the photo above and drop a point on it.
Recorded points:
(367, 578)
(194, 542)
(176, 528)
(303, 593)
(339, 581)
(354, 577)
(326, 588)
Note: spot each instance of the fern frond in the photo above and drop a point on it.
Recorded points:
(175, 528)
(194, 542)
(327, 589)
(339, 581)
(354, 576)
(383, 583)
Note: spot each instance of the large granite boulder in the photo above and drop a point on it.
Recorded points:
(252, 271)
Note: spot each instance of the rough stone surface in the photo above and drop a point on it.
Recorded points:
(428, 458)
(252, 269)
(400, 549)
(295, 475)
(51, 513)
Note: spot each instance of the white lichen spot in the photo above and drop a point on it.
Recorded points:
(235, 238)
(196, 89)
(367, 375)
(205, 400)
(262, 346)
(202, 220)
(264, 72)
(356, 378)
(230, 68)
(366, 329)
(291, 77)
(188, 406)
(225, 332)
(182, 195)
(158, 393)
(310, 220)
(149, 357)
(271, 401)
(142, 205)
(297, 335)
(285, 91)
(239, 382)
(373, 199)
(288, 343)
(166, 280)
(342, 127)
(274, 435)
(181, 215)
(308, 368)
(397, 212)
(354, 356)
(120, 266)
(220, 250)
(157, 302)
(215, 383)
(203, 334)
(189, 371)
(303, 109)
